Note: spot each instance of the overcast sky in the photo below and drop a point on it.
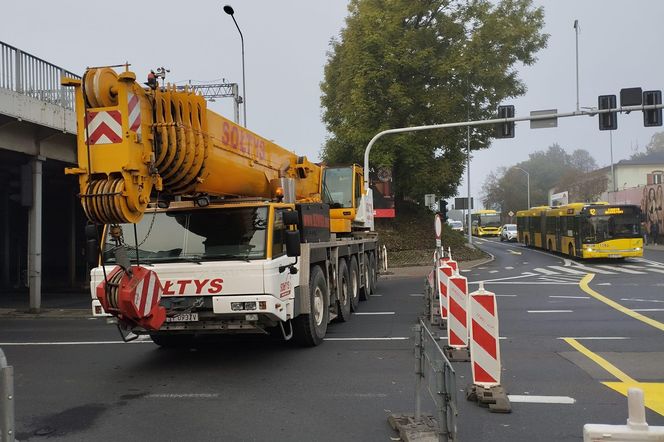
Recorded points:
(285, 50)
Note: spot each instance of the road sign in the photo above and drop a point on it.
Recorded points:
(546, 122)
(438, 227)
(510, 213)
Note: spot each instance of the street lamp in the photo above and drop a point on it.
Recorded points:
(527, 181)
(228, 9)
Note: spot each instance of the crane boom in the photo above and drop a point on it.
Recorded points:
(134, 140)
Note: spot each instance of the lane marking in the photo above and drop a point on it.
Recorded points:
(509, 268)
(594, 269)
(586, 288)
(648, 309)
(523, 275)
(374, 313)
(541, 399)
(550, 311)
(527, 282)
(392, 338)
(641, 300)
(506, 296)
(416, 294)
(493, 271)
(653, 269)
(545, 271)
(621, 269)
(596, 338)
(377, 296)
(568, 270)
(465, 270)
(514, 252)
(653, 391)
(569, 297)
(182, 396)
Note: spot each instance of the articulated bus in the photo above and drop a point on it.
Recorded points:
(485, 223)
(596, 230)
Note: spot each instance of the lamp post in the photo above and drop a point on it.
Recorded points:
(527, 182)
(228, 9)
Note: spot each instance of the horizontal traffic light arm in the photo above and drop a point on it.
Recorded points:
(590, 113)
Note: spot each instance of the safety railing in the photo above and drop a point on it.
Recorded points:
(29, 75)
(7, 422)
(436, 378)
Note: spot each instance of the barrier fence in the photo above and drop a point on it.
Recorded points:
(29, 75)
(6, 400)
(435, 377)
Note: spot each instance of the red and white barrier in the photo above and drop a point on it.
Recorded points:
(445, 271)
(484, 338)
(457, 321)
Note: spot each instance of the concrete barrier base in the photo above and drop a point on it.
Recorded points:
(494, 398)
(457, 354)
(424, 429)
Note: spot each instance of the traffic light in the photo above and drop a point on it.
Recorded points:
(652, 117)
(609, 120)
(442, 206)
(505, 130)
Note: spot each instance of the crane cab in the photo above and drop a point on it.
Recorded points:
(350, 206)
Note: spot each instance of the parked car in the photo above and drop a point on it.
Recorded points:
(456, 225)
(508, 232)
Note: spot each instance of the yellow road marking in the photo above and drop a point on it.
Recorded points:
(586, 288)
(653, 392)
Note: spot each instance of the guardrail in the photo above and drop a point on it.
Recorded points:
(7, 423)
(29, 75)
(435, 377)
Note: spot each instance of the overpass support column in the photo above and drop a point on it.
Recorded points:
(35, 236)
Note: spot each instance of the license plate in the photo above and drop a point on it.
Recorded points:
(183, 317)
(614, 256)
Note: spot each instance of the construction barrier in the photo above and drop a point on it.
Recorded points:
(7, 423)
(636, 430)
(435, 377)
(484, 343)
(457, 327)
(445, 271)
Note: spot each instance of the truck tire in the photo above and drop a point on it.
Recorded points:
(309, 328)
(172, 340)
(354, 284)
(343, 292)
(365, 293)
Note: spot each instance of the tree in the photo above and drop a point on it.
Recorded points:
(400, 63)
(656, 145)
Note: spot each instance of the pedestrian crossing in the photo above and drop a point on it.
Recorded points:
(580, 269)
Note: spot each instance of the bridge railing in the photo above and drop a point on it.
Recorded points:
(29, 75)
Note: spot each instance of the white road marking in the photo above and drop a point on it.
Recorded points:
(605, 283)
(18, 344)
(641, 300)
(493, 271)
(648, 309)
(596, 338)
(507, 296)
(392, 338)
(622, 269)
(568, 262)
(509, 268)
(568, 270)
(541, 399)
(465, 270)
(182, 395)
(377, 296)
(589, 269)
(545, 271)
(444, 338)
(375, 313)
(569, 297)
(550, 311)
(481, 268)
(416, 294)
(653, 269)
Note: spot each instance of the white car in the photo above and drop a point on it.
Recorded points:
(456, 225)
(508, 232)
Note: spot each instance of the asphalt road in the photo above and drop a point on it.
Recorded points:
(76, 381)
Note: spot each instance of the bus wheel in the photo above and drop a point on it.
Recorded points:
(354, 284)
(310, 328)
(343, 293)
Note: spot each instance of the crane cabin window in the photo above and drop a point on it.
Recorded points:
(186, 235)
(338, 187)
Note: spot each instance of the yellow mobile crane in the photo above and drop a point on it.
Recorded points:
(232, 233)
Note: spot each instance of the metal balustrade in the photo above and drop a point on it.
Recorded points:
(29, 75)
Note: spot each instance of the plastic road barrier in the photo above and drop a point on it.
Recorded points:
(484, 343)
(444, 273)
(457, 321)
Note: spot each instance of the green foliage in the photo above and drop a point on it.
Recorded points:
(402, 63)
(655, 146)
(554, 168)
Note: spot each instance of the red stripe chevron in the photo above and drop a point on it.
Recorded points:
(455, 340)
(458, 312)
(481, 375)
(486, 301)
(484, 339)
(132, 103)
(460, 283)
(104, 129)
(116, 115)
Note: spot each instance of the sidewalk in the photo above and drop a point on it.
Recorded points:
(53, 305)
(658, 247)
(423, 271)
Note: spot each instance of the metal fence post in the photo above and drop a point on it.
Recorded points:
(6, 400)
(441, 405)
(418, 370)
(18, 71)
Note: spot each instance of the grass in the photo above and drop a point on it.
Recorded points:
(410, 238)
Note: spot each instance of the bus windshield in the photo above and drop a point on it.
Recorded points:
(183, 235)
(490, 221)
(595, 229)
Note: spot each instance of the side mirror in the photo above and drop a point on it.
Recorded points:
(92, 251)
(293, 243)
(291, 218)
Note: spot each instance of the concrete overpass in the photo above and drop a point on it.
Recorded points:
(40, 218)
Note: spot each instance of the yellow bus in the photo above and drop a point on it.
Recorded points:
(485, 223)
(582, 230)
